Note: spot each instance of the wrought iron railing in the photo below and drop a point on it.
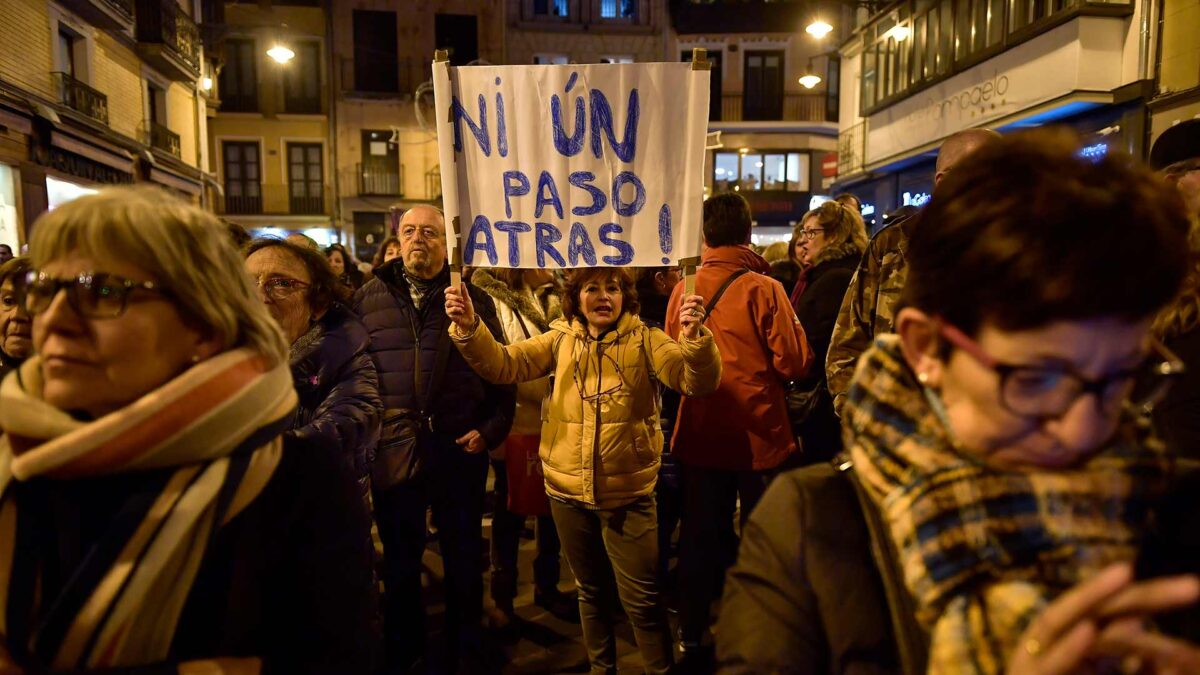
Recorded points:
(372, 181)
(161, 21)
(243, 205)
(306, 206)
(80, 97)
(162, 138)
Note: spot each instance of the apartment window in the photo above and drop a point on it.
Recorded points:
(550, 59)
(306, 178)
(243, 190)
(616, 59)
(302, 80)
(458, 34)
(714, 81)
(156, 103)
(376, 61)
(67, 42)
(761, 171)
(238, 82)
(551, 8)
(379, 173)
(618, 9)
(763, 86)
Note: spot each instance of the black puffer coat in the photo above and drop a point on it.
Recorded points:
(404, 337)
(340, 409)
(817, 309)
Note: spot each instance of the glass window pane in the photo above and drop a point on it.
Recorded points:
(775, 172)
(962, 29)
(946, 37)
(995, 22)
(233, 153)
(918, 51)
(752, 166)
(797, 172)
(725, 170)
(868, 77)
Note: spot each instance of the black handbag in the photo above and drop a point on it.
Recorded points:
(802, 401)
(403, 438)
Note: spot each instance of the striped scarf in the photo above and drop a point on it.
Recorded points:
(213, 434)
(983, 550)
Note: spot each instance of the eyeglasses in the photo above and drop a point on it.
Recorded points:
(278, 288)
(1048, 392)
(94, 295)
(808, 234)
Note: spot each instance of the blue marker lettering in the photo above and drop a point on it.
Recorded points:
(639, 195)
(511, 189)
(547, 194)
(513, 228)
(582, 179)
(580, 245)
(481, 226)
(602, 121)
(543, 240)
(480, 130)
(624, 248)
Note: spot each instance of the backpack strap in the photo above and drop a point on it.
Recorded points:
(721, 291)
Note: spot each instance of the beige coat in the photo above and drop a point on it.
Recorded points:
(601, 442)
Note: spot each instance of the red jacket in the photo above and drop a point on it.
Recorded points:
(744, 424)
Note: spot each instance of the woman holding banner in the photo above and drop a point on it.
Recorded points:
(600, 443)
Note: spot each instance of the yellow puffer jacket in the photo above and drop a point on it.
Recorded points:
(601, 443)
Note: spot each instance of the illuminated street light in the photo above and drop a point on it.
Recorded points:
(281, 54)
(818, 29)
(206, 84)
(810, 80)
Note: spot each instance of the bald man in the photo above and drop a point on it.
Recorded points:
(870, 303)
(432, 395)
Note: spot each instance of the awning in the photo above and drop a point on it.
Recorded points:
(95, 150)
(174, 182)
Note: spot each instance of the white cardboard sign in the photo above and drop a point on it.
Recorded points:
(572, 166)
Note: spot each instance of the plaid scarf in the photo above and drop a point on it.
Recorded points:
(207, 443)
(983, 550)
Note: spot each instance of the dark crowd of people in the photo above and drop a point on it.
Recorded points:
(967, 444)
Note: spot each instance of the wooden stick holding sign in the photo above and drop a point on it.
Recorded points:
(699, 62)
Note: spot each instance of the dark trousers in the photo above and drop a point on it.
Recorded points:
(506, 540)
(707, 543)
(607, 547)
(453, 483)
(668, 494)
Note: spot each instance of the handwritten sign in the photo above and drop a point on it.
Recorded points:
(572, 166)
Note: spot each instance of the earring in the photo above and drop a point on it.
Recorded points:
(923, 378)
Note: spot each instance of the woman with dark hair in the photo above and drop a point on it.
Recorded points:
(16, 343)
(335, 378)
(1001, 465)
(600, 443)
(388, 250)
(828, 244)
(527, 301)
(344, 267)
(154, 516)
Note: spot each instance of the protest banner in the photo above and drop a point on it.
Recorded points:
(574, 165)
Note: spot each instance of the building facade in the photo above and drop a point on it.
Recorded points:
(769, 135)
(1176, 94)
(920, 70)
(97, 92)
(387, 152)
(269, 137)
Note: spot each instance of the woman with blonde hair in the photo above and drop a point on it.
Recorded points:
(600, 442)
(151, 512)
(827, 244)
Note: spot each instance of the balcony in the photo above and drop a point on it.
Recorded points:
(81, 98)
(375, 183)
(108, 14)
(796, 108)
(244, 206)
(162, 138)
(306, 206)
(168, 39)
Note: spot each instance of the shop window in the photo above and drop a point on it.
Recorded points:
(376, 60)
(238, 82)
(755, 172)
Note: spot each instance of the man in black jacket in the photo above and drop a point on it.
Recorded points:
(426, 385)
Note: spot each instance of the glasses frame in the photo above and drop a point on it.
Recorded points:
(808, 234)
(84, 280)
(1169, 369)
(270, 289)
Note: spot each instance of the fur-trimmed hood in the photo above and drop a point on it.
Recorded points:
(845, 249)
(523, 302)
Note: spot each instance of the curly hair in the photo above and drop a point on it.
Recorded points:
(841, 223)
(577, 279)
(377, 261)
(1183, 314)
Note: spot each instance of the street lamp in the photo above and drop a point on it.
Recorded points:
(280, 53)
(818, 29)
(810, 78)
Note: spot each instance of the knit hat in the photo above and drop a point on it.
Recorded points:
(1180, 142)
